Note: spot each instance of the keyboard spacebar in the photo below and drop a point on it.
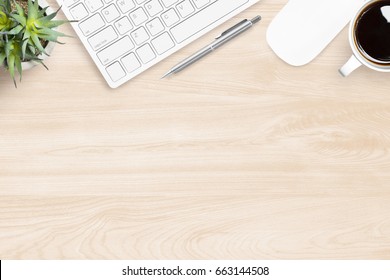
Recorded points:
(204, 18)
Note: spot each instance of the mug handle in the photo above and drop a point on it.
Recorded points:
(352, 64)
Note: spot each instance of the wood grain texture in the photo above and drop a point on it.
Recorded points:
(239, 157)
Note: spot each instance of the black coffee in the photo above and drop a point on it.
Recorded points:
(373, 31)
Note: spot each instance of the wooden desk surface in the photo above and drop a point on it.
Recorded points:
(239, 157)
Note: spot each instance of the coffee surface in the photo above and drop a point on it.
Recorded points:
(373, 31)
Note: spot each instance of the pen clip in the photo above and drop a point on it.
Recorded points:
(231, 28)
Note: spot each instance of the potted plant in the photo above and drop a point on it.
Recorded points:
(27, 34)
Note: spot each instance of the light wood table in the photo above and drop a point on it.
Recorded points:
(239, 157)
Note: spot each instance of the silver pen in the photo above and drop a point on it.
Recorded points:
(219, 41)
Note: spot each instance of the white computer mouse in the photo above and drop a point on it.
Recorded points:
(303, 28)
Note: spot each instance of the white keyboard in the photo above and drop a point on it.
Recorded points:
(126, 37)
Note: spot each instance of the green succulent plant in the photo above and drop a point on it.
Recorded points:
(24, 33)
(38, 25)
(12, 56)
(6, 22)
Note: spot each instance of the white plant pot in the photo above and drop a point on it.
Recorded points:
(31, 64)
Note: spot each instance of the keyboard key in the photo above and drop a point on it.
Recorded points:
(125, 5)
(153, 7)
(116, 50)
(140, 35)
(138, 16)
(131, 62)
(146, 53)
(102, 38)
(111, 13)
(204, 18)
(123, 25)
(201, 3)
(69, 3)
(93, 5)
(155, 26)
(79, 12)
(168, 3)
(185, 8)
(91, 24)
(170, 17)
(163, 43)
(116, 72)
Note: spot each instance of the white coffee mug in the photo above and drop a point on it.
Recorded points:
(359, 57)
